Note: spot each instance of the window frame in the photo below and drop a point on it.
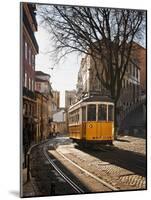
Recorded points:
(33, 61)
(29, 56)
(32, 85)
(26, 50)
(133, 70)
(25, 80)
(29, 83)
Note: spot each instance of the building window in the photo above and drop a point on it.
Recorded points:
(31, 109)
(123, 83)
(25, 81)
(38, 86)
(26, 47)
(32, 85)
(134, 71)
(127, 84)
(33, 61)
(138, 75)
(131, 84)
(30, 56)
(29, 84)
(129, 68)
(70, 100)
(25, 109)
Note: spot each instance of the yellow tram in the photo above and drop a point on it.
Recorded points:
(91, 120)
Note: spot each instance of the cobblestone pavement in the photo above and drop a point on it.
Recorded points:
(83, 179)
(123, 165)
(45, 177)
(130, 143)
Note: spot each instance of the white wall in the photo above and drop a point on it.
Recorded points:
(43, 77)
(59, 116)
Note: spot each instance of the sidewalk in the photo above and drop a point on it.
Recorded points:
(131, 143)
(28, 190)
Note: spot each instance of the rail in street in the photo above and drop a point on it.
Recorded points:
(64, 176)
(63, 168)
(90, 174)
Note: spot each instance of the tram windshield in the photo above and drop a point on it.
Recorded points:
(102, 112)
(91, 112)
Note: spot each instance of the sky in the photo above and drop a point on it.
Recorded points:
(64, 75)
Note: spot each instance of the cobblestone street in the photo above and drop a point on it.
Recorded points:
(130, 143)
(122, 165)
(118, 167)
(83, 99)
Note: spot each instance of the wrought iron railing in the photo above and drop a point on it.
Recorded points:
(28, 93)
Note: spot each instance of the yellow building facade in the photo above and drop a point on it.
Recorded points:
(42, 117)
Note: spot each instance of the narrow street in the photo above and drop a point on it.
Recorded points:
(102, 169)
(83, 84)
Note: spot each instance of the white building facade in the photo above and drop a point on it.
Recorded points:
(88, 83)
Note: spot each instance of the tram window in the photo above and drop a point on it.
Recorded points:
(110, 113)
(102, 115)
(83, 114)
(91, 112)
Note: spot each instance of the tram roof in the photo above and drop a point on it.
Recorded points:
(97, 98)
(93, 99)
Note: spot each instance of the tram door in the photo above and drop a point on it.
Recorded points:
(83, 122)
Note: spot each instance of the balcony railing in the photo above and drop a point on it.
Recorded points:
(28, 93)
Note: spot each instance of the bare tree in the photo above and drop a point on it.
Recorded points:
(105, 34)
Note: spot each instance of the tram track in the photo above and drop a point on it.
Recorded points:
(110, 164)
(63, 166)
(52, 175)
(112, 188)
(71, 182)
(62, 174)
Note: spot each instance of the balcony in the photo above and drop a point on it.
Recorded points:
(28, 93)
